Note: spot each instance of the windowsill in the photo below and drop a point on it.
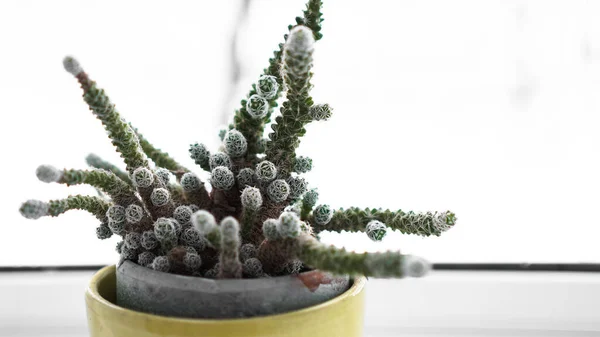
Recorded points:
(456, 303)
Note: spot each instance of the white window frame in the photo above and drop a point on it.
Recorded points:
(445, 303)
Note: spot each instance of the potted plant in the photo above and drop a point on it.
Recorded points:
(240, 257)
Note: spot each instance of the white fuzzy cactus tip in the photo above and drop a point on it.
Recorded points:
(230, 228)
(48, 173)
(204, 222)
(414, 266)
(34, 209)
(72, 65)
(270, 229)
(301, 39)
(251, 198)
(288, 225)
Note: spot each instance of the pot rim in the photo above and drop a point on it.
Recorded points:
(309, 278)
(92, 293)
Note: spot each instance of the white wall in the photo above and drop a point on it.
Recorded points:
(489, 109)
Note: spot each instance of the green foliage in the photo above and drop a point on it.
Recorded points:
(159, 157)
(149, 240)
(322, 214)
(309, 200)
(134, 213)
(34, 209)
(235, 143)
(313, 17)
(116, 213)
(257, 106)
(376, 230)
(146, 258)
(133, 240)
(164, 175)
(183, 214)
(267, 86)
(192, 237)
(219, 159)
(265, 171)
(252, 268)
(278, 190)
(222, 178)
(200, 155)
(117, 228)
(103, 232)
(245, 178)
(123, 137)
(252, 128)
(289, 127)
(259, 219)
(94, 160)
(424, 224)
(288, 225)
(302, 164)
(161, 263)
(298, 186)
(120, 191)
(270, 230)
(164, 230)
(230, 265)
(340, 261)
(247, 251)
(203, 221)
(160, 197)
(192, 262)
(251, 198)
(320, 112)
(142, 177)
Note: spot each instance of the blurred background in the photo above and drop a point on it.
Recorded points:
(490, 109)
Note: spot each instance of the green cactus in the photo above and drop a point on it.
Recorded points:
(309, 200)
(94, 160)
(161, 159)
(200, 155)
(247, 251)
(260, 218)
(230, 265)
(120, 191)
(340, 261)
(297, 65)
(120, 132)
(195, 191)
(424, 224)
(34, 209)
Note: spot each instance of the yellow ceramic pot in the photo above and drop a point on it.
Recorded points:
(341, 316)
